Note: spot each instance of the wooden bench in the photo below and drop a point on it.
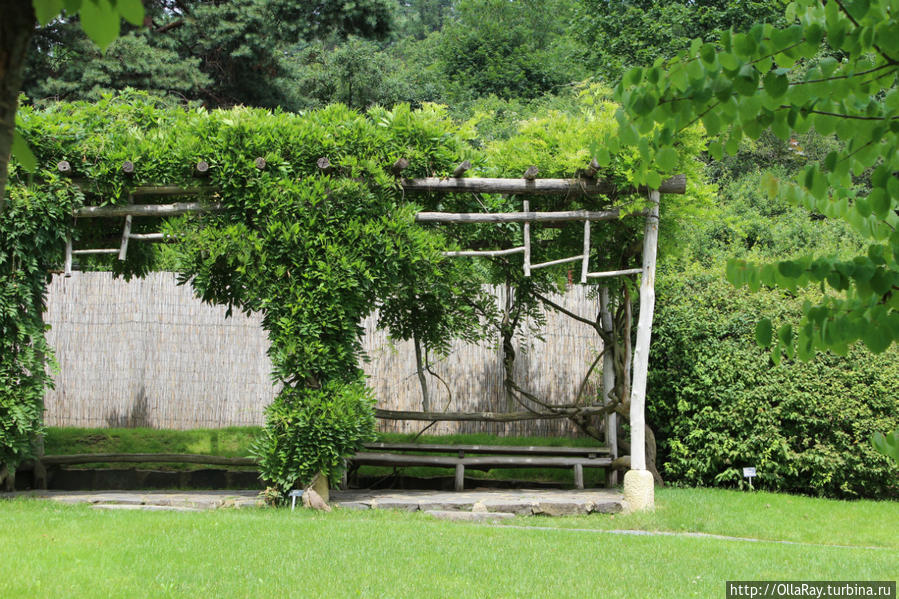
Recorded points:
(485, 457)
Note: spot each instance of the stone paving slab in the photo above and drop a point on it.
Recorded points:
(524, 502)
(197, 500)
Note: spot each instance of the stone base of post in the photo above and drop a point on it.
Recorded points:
(639, 490)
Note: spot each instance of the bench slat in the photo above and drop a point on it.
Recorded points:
(391, 459)
(499, 449)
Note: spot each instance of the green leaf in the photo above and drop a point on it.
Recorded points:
(877, 338)
(888, 445)
(776, 85)
(100, 22)
(23, 153)
(711, 122)
(132, 11)
(790, 269)
(667, 158)
(879, 202)
(46, 10)
(763, 332)
(785, 336)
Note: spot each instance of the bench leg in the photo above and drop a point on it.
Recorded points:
(612, 477)
(579, 476)
(40, 474)
(460, 477)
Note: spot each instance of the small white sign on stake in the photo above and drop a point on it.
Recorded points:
(749, 473)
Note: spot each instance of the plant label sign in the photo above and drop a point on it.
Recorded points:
(749, 473)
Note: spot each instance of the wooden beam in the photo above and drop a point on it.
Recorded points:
(158, 210)
(496, 449)
(569, 187)
(95, 251)
(485, 253)
(486, 416)
(555, 262)
(614, 273)
(460, 170)
(516, 217)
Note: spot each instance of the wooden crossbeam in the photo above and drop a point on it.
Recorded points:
(555, 262)
(485, 253)
(567, 187)
(516, 217)
(614, 273)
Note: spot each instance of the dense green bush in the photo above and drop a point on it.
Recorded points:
(32, 239)
(718, 403)
(309, 431)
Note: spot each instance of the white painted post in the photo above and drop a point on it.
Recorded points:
(608, 382)
(68, 266)
(526, 207)
(638, 483)
(585, 265)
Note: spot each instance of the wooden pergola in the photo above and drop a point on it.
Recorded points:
(526, 186)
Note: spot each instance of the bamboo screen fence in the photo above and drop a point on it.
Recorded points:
(148, 353)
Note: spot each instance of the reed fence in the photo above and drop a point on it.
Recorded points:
(148, 353)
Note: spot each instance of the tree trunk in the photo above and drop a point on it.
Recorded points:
(16, 26)
(422, 380)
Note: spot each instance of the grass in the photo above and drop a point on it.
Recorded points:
(231, 442)
(73, 551)
(759, 515)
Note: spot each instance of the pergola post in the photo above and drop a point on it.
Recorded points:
(639, 493)
(608, 383)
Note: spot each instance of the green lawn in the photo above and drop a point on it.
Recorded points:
(55, 551)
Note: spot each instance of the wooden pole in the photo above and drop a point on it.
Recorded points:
(485, 416)
(566, 187)
(644, 333)
(485, 253)
(555, 262)
(126, 235)
(608, 382)
(159, 210)
(585, 265)
(614, 273)
(526, 206)
(460, 170)
(516, 217)
(68, 266)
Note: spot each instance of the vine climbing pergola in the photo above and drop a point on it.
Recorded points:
(638, 485)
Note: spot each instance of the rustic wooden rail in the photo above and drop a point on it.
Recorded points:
(488, 416)
(461, 450)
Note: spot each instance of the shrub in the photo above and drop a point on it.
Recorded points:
(32, 238)
(313, 430)
(718, 403)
